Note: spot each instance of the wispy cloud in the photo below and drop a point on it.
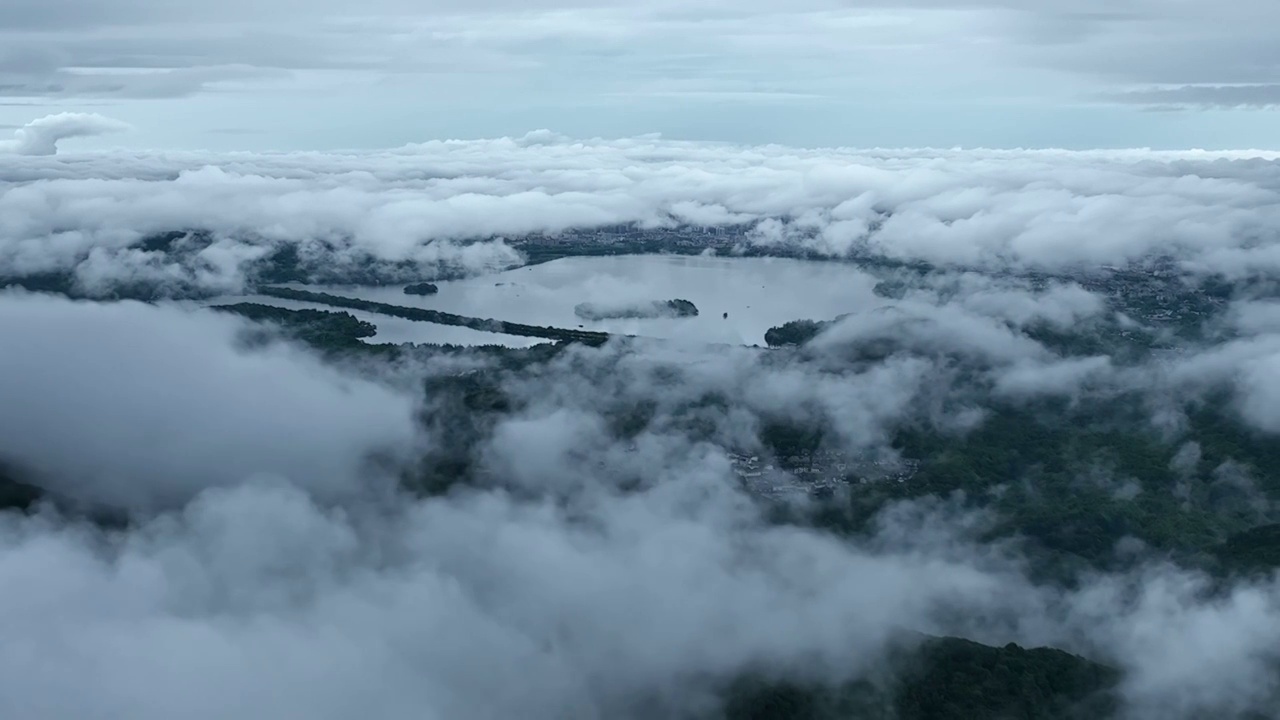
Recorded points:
(1256, 97)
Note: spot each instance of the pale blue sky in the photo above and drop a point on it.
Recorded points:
(286, 74)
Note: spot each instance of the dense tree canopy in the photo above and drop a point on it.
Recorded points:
(423, 288)
(944, 679)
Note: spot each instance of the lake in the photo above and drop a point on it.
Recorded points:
(757, 293)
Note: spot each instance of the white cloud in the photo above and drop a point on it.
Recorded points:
(1063, 377)
(136, 406)
(1045, 209)
(41, 137)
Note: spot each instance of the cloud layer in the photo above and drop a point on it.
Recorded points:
(149, 48)
(423, 204)
(198, 412)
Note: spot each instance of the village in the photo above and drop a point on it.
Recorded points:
(817, 473)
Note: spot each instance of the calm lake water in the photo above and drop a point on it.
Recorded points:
(757, 293)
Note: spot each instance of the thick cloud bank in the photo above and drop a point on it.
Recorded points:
(86, 381)
(422, 205)
(256, 602)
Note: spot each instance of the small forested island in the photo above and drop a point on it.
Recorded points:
(636, 310)
(796, 332)
(422, 288)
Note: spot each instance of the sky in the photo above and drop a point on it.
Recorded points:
(324, 74)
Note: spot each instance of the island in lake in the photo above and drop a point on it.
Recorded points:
(424, 288)
(798, 332)
(636, 310)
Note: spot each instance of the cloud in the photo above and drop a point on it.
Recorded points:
(256, 600)
(140, 407)
(1247, 366)
(149, 85)
(1059, 377)
(1048, 54)
(1256, 97)
(932, 330)
(1220, 632)
(532, 597)
(424, 204)
(41, 137)
(266, 569)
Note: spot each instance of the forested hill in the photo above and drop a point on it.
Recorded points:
(15, 494)
(1255, 551)
(946, 679)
